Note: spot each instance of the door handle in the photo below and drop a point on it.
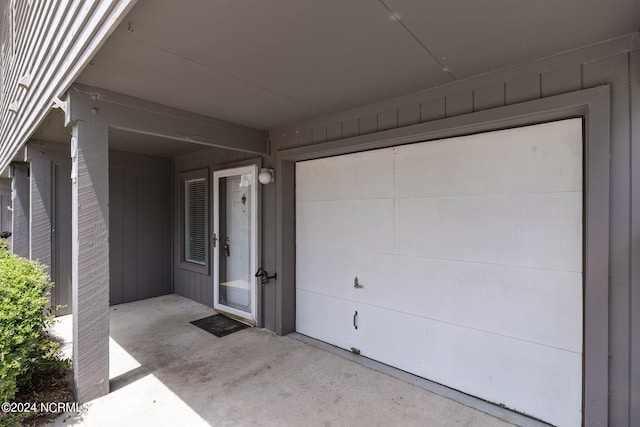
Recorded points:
(227, 247)
(264, 276)
(355, 317)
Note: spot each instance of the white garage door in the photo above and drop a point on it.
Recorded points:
(468, 252)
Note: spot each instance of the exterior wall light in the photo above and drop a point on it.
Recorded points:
(265, 176)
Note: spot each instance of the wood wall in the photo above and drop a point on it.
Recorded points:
(5, 203)
(140, 227)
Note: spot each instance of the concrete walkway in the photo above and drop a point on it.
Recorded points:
(167, 372)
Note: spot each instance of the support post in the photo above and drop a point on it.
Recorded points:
(20, 206)
(90, 259)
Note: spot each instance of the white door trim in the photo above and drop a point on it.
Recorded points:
(253, 170)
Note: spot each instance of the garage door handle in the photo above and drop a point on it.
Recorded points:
(355, 316)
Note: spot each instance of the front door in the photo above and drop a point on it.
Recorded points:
(235, 249)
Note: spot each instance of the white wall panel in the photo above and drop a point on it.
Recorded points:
(337, 280)
(531, 378)
(361, 175)
(523, 303)
(346, 224)
(314, 318)
(503, 162)
(534, 230)
(471, 268)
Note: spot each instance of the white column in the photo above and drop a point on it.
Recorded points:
(90, 259)
(20, 202)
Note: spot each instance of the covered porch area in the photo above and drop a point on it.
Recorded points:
(165, 371)
(116, 183)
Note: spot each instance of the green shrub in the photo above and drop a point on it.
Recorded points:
(25, 347)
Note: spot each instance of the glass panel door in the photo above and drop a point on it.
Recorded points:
(235, 251)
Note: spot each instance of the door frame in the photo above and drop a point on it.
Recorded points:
(254, 253)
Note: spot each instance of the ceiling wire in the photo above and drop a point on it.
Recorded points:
(426, 49)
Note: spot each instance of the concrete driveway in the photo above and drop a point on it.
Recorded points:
(167, 372)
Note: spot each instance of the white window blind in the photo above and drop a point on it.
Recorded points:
(195, 221)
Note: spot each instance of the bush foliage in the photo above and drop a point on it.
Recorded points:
(25, 347)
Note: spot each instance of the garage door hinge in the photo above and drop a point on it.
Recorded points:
(355, 351)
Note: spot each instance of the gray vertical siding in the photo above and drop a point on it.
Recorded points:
(615, 71)
(614, 63)
(140, 227)
(61, 236)
(40, 206)
(269, 237)
(191, 284)
(5, 205)
(50, 222)
(20, 207)
(634, 300)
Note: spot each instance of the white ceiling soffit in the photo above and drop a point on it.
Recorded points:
(268, 64)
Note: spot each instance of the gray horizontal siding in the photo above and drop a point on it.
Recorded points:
(140, 227)
(54, 41)
(616, 63)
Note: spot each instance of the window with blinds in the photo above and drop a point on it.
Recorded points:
(195, 217)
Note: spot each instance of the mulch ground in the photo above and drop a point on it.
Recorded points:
(45, 387)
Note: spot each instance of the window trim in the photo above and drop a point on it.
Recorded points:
(184, 177)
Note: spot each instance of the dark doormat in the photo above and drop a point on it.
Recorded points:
(219, 325)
